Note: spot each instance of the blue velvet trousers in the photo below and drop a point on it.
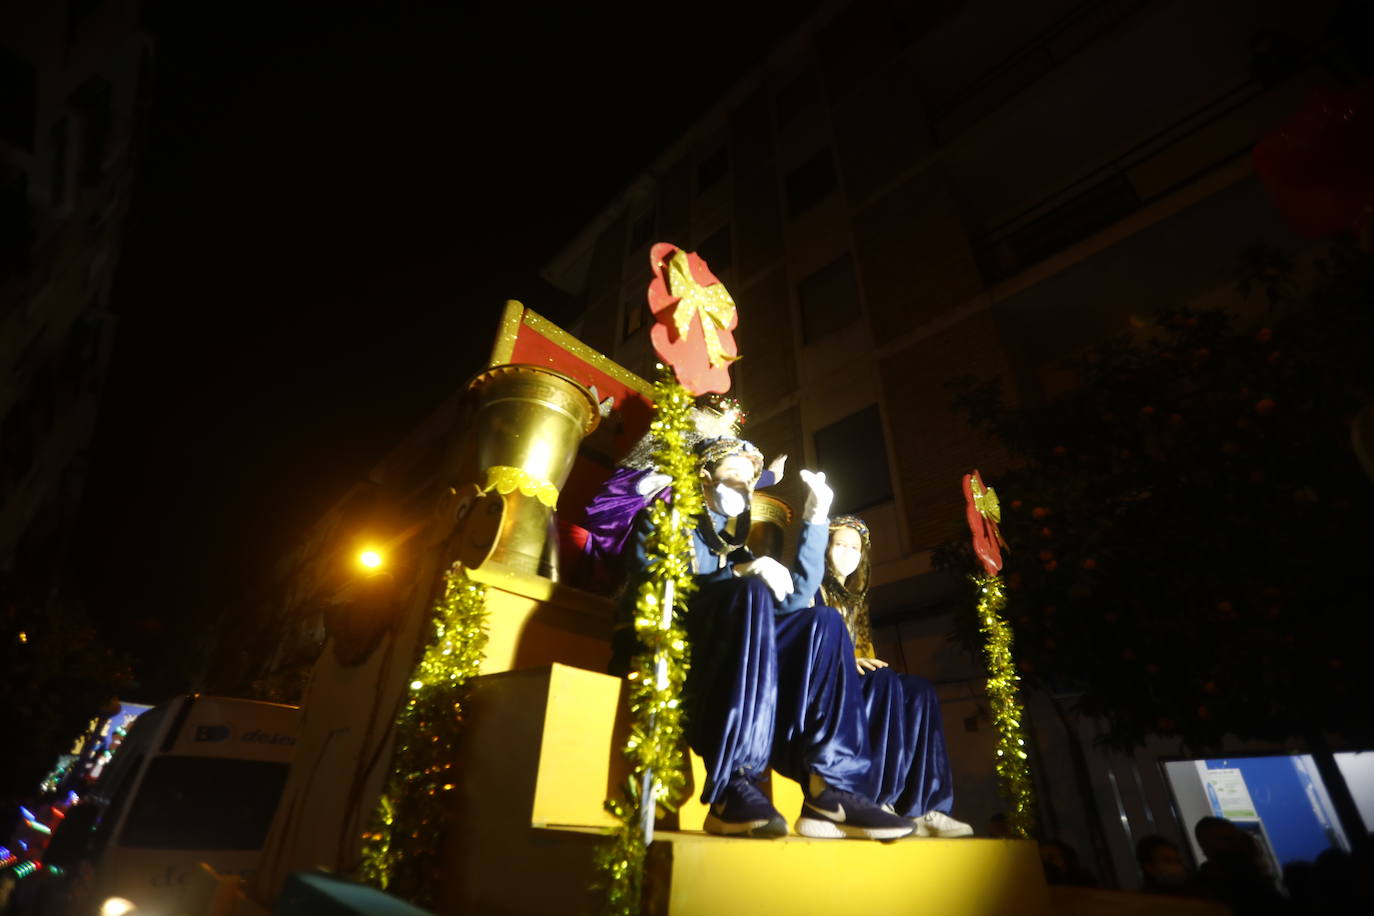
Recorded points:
(906, 740)
(768, 689)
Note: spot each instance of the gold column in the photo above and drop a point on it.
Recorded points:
(530, 421)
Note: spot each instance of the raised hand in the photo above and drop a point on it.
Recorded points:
(818, 500)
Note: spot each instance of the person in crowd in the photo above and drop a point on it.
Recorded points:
(1235, 870)
(1062, 865)
(908, 764)
(1162, 868)
(772, 680)
(1337, 884)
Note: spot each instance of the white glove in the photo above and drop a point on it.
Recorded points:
(773, 574)
(652, 483)
(817, 511)
(778, 466)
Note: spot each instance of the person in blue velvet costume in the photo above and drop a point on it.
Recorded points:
(772, 680)
(908, 764)
(609, 516)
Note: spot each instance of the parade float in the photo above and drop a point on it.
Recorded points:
(461, 748)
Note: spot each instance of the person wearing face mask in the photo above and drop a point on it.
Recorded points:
(909, 766)
(772, 682)
(635, 482)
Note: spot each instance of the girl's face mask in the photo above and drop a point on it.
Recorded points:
(846, 549)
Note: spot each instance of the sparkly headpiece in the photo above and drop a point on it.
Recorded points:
(711, 452)
(850, 521)
(727, 408)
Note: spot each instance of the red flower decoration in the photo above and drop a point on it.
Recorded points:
(983, 514)
(694, 319)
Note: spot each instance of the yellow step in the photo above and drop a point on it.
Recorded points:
(540, 751)
(692, 873)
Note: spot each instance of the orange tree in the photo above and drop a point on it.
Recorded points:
(1190, 525)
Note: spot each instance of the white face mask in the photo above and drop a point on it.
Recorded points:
(730, 501)
(845, 561)
(846, 550)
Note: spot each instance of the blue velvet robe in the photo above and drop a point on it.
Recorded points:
(771, 683)
(909, 766)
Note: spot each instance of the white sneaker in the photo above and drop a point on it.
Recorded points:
(937, 823)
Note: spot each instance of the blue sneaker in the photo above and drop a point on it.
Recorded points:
(744, 811)
(830, 814)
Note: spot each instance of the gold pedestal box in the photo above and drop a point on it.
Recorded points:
(540, 754)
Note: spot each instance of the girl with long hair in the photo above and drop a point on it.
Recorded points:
(909, 766)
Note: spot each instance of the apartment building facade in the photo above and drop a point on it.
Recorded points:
(904, 195)
(76, 81)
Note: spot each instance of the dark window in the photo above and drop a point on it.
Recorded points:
(828, 299)
(143, 91)
(43, 400)
(642, 230)
(853, 454)
(57, 180)
(80, 349)
(16, 100)
(93, 101)
(1072, 221)
(16, 442)
(810, 183)
(913, 18)
(16, 226)
(117, 796)
(204, 803)
(717, 251)
(78, 11)
(796, 97)
(636, 309)
(712, 169)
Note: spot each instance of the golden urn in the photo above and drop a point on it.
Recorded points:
(530, 421)
(769, 519)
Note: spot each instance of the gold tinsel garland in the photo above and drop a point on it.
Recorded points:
(401, 850)
(1013, 771)
(658, 671)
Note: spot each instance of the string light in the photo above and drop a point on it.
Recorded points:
(401, 849)
(1013, 769)
(657, 673)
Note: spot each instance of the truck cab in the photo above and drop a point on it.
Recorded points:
(197, 780)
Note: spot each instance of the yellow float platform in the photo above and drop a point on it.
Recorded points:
(531, 814)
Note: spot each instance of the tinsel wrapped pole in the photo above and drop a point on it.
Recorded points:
(401, 849)
(983, 512)
(658, 671)
(1013, 770)
(648, 788)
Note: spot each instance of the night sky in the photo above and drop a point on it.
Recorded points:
(332, 207)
